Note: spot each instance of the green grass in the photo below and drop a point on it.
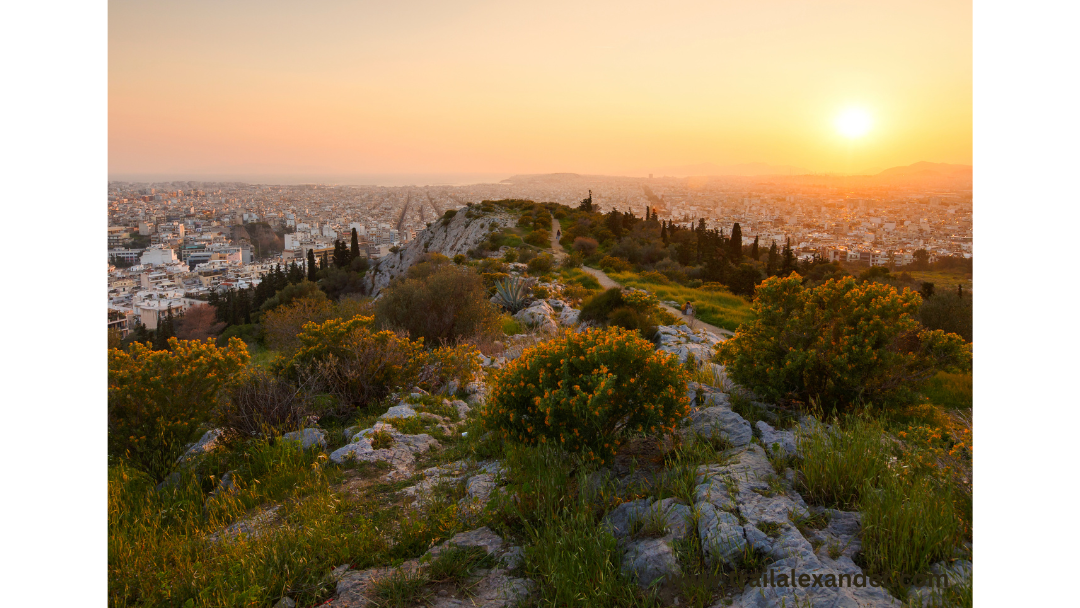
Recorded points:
(837, 466)
(908, 524)
(951, 391)
(717, 308)
(161, 551)
(511, 326)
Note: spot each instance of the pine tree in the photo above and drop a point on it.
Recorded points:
(311, 270)
(735, 244)
(354, 247)
(754, 250)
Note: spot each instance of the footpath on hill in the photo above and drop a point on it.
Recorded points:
(607, 283)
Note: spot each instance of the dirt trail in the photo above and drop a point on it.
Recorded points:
(607, 283)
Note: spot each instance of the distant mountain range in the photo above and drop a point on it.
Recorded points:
(925, 170)
(742, 169)
(936, 173)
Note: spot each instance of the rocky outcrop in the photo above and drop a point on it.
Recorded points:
(459, 235)
(681, 341)
(487, 588)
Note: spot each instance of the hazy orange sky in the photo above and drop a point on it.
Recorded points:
(201, 88)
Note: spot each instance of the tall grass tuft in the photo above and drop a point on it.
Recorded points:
(839, 463)
(908, 524)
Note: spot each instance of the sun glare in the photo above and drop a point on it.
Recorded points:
(853, 122)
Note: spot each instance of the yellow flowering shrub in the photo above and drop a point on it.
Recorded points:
(347, 359)
(841, 342)
(159, 398)
(584, 391)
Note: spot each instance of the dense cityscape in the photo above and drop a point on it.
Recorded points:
(171, 244)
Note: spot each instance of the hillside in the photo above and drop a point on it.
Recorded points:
(525, 437)
(451, 236)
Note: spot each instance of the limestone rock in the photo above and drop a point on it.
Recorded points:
(722, 537)
(307, 438)
(400, 410)
(649, 561)
(783, 440)
(722, 421)
(207, 443)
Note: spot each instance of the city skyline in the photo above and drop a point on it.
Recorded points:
(201, 90)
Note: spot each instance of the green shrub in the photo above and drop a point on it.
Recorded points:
(613, 264)
(583, 391)
(449, 215)
(443, 303)
(598, 308)
(948, 312)
(159, 399)
(841, 342)
(539, 238)
(510, 256)
(352, 363)
(541, 264)
(460, 258)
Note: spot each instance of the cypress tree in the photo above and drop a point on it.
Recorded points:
(754, 250)
(772, 260)
(311, 270)
(664, 233)
(322, 261)
(354, 247)
(959, 291)
(787, 264)
(735, 244)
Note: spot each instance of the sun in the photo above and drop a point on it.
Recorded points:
(853, 122)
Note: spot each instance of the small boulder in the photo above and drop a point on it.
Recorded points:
(401, 410)
(307, 438)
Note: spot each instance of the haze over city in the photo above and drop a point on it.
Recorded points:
(439, 93)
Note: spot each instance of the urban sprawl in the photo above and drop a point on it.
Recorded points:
(171, 244)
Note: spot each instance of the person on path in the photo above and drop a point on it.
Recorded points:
(558, 234)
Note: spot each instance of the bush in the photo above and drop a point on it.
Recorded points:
(291, 293)
(282, 325)
(948, 312)
(613, 264)
(460, 259)
(585, 246)
(449, 215)
(357, 366)
(598, 308)
(584, 391)
(539, 238)
(261, 403)
(441, 303)
(159, 399)
(510, 256)
(571, 261)
(841, 342)
(541, 264)
(353, 364)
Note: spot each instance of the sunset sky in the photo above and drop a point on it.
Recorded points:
(201, 88)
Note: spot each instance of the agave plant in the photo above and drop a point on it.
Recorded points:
(513, 292)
